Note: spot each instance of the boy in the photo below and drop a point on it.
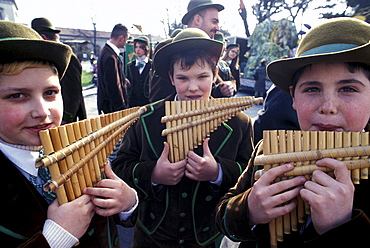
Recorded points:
(30, 100)
(178, 199)
(329, 81)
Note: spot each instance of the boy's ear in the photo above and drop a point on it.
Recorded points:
(171, 78)
(292, 95)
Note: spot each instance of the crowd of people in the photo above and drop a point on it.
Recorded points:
(212, 194)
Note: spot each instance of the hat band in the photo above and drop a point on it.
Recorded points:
(331, 48)
(13, 38)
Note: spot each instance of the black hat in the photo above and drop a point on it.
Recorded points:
(195, 6)
(42, 24)
(189, 38)
(20, 43)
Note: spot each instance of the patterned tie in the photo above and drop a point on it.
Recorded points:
(140, 64)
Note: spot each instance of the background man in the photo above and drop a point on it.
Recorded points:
(112, 94)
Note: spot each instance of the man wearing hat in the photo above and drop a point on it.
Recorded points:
(329, 81)
(138, 73)
(112, 85)
(177, 199)
(31, 101)
(202, 14)
(73, 100)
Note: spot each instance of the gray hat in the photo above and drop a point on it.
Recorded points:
(20, 43)
(195, 6)
(42, 24)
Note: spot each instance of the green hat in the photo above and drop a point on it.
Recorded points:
(175, 32)
(20, 43)
(42, 24)
(195, 6)
(338, 40)
(220, 37)
(190, 38)
(142, 39)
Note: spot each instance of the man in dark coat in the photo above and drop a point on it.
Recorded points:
(73, 100)
(112, 92)
(260, 77)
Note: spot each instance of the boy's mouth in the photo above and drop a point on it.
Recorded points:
(194, 97)
(323, 127)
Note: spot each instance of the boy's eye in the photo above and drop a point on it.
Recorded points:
(312, 89)
(51, 92)
(15, 96)
(348, 89)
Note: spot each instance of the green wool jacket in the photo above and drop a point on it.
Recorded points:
(184, 213)
(233, 221)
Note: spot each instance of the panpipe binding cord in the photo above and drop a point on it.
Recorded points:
(188, 123)
(303, 149)
(77, 152)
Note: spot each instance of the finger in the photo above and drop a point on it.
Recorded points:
(109, 172)
(340, 169)
(165, 151)
(269, 176)
(206, 150)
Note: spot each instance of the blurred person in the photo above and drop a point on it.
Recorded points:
(260, 78)
(138, 73)
(112, 84)
(231, 57)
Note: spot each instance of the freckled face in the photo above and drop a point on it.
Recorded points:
(30, 101)
(193, 84)
(329, 97)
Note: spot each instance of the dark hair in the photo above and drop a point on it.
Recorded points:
(188, 58)
(351, 66)
(119, 30)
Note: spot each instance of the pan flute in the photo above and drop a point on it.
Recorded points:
(188, 123)
(77, 152)
(303, 149)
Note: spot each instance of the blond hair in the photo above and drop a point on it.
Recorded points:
(15, 68)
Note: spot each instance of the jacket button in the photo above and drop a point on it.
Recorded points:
(184, 195)
(182, 229)
(136, 180)
(181, 241)
(208, 198)
(152, 216)
(182, 214)
(116, 239)
(205, 229)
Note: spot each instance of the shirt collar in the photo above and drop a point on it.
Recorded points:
(115, 49)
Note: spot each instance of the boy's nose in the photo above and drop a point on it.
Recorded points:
(40, 109)
(328, 105)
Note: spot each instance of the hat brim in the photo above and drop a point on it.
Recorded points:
(193, 11)
(281, 72)
(161, 60)
(25, 49)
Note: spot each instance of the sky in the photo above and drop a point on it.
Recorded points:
(150, 14)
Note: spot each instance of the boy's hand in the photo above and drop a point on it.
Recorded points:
(74, 216)
(111, 195)
(165, 172)
(202, 168)
(331, 200)
(268, 200)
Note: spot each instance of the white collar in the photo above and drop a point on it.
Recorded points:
(23, 157)
(114, 47)
(143, 58)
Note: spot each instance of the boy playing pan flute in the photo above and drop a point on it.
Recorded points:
(30, 100)
(178, 200)
(329, 81)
